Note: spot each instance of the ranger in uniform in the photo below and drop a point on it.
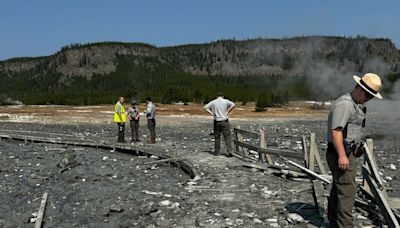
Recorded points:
(133, 115)
(346, 122)
(120, 119)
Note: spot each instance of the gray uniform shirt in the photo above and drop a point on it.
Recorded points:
(133, 112)
(219, 106)
(345, 113)
(150, 111)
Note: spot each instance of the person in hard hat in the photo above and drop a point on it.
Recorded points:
(133, 116)
(345, 135)
(120, 119)
(220, 108)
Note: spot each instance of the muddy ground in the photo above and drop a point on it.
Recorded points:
(91, 187)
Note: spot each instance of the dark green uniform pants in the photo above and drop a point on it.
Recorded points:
(343, 192)
(224, 128)
(151, 125)
(135, 130)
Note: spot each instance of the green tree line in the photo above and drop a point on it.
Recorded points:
(140, 77)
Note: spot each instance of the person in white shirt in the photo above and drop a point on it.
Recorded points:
(220, 108)
(151, 121)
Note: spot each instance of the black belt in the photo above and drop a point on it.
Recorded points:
(331, 148)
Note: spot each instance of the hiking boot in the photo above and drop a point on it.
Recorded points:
(151, 141)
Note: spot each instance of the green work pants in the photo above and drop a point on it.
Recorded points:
(151, 125)
(135, 130)
(343, 193)
(224, 128)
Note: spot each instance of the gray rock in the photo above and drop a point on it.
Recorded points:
(295, 218)
(115, 208)
(155, 214)
(147, 208)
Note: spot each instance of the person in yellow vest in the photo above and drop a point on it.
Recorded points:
(120, 119)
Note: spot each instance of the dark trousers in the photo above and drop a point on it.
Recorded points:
(224, 128)
(343, 192)
(135, 130)
(121, 132)
(151, 125)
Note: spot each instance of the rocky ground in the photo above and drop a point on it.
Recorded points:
(91, 187)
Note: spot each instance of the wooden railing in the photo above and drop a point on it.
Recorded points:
(371, 183)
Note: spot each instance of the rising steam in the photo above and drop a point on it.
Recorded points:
(6, 100)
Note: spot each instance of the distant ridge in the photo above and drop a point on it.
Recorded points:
(100, 69)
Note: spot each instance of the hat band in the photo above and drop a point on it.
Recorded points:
(367, 87)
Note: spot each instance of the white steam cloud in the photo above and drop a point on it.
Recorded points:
(6, 100)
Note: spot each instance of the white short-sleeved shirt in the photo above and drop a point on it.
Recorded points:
(150, 110)
(219, 107)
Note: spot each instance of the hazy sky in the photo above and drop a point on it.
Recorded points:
(42, 27)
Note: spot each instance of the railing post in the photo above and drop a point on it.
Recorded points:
(305, 151)
(365, 183)
(237, 138)
(319, 161)
(312, 152)
(263, 144)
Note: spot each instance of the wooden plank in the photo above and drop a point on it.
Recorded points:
(39, 218)
(380, 199)
(275, 169)
(261, 166)
(245, 151)
(284, 153)
(365, 186)
(373, 167)
(369, 159)
(319, 161)
(245, 132)
(161, 161)
(244, 158)
(305, 151)
(312, 152)
(396, 213)
(263, 144)
(320, 198)
(310, 172)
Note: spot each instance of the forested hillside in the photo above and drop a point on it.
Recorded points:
(270, 71)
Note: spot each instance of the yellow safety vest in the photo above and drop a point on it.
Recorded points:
(123, 114)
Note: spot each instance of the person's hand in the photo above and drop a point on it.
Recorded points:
(343, 163)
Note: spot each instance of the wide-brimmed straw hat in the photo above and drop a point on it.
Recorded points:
(371, 83)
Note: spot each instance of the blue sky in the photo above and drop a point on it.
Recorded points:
(42, 27)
